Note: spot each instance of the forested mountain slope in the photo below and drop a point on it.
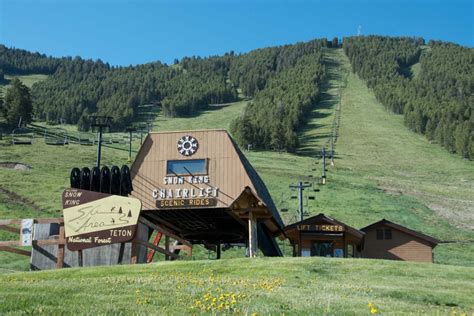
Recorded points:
(438, 102)
(283, 83)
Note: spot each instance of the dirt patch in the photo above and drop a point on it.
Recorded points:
(459, 212)
(15, 165)
(15, 198)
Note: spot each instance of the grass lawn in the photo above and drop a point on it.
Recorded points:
(303, 286)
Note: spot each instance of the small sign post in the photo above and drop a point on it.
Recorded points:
(26, 235)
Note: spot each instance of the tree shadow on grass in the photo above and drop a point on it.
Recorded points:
(311, 141)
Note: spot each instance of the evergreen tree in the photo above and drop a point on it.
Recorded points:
(18, 103)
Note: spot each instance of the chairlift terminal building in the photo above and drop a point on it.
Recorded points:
(200, 186)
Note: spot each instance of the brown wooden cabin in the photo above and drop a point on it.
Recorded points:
(387, 240)
(323, 236)
(200, 186)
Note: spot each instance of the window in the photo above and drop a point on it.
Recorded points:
(379, 234)
(388, 234)
(185, 167)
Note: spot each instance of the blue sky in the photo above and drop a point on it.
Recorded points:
(133, 32)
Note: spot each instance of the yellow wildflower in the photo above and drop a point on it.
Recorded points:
(373, 310)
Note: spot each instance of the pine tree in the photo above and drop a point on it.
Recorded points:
(18, 103)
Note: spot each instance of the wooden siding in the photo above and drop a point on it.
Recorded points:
(401, 247)
(224, 167)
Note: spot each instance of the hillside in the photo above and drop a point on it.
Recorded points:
(429, 83)
(303, 286)
(382, 169)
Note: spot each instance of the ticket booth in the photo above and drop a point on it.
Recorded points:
(323, 236)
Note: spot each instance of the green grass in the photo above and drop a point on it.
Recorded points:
(302, 286)
(415, 70)
(216, 117)
(28, 80)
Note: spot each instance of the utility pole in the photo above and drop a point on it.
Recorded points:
(100, 122)
(300, 186)
(323, 178)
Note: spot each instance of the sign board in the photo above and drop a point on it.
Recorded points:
(26, 233)
(187, 192)
(93, 219)
(322, 228)
(180, 203)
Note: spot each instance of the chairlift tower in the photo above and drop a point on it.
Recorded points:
(323, 178)
(130, 130)
(300, 187)
(332, 149)
(100, 122)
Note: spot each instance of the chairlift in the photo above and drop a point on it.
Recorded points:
(284, 210)
(22, 136)
(305, 213)
(311, 197)
(55, 136)
(86, 139)
(293, 197)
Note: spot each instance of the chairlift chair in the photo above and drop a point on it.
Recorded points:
(22, 136)
(55, 136)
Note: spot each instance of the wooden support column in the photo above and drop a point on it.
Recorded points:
(218, 250)
(60, 254)
(79, 258)
(253, 242)
(345, 245)
(167, 246)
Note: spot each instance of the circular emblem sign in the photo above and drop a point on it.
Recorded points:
(187, 145)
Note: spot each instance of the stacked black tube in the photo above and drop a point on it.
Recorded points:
(113, 181)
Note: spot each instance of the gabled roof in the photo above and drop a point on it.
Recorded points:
(321, 216)
(403, 229)
(260, 188)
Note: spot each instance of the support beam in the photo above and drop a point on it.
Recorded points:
(60, 254)
(165, 231)
(167, 246)
(252, 235)
(15, 250)
(218, 250)
(10, 229)
(156, 248)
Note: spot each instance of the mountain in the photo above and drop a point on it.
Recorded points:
(431, 85)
